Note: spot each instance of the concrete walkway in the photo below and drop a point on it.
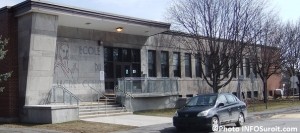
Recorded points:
(131, 120)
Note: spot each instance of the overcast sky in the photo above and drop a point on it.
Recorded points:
(156, 9)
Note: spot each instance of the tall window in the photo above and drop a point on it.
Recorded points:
(151, 63)
(164, 59)
(187, 60)
(241, 67)
(198, 65)
(176, 64)
(247, 63)
(208, 66)
(233, 65)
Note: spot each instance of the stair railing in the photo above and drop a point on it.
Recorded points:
(98, 98)
(54, 95)
(124, 93)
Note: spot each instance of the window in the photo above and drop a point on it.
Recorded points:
(248, 94)
(187, 58)
(208, 66)
(176, 64)
(230, 99)
(164, 60)
(198, 65)
(247, 62)
(241, 67)
(233, 64)
(151, 63)
(222, 99)
(254, 69)
(226, 69)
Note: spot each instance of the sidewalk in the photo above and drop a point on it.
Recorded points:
(149, 123)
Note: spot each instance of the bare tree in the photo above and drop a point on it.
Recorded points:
(4, 76)
(218, 32)
(266, 52)
(291, 44)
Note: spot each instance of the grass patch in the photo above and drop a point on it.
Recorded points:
(258, 105)
(74, 127)
(272, 105)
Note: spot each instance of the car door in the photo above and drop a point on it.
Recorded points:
(222, 111)
(233, 107)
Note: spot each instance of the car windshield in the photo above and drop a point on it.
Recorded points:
(203, 100)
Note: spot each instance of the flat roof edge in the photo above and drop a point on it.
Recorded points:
(28, 5)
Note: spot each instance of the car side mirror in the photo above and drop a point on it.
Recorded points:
(220, 104)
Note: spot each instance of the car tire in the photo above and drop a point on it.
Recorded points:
(215, 124)
(240, 121)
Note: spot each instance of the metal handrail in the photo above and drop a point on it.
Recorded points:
(98, 96)
(52, 93)
(116, 88)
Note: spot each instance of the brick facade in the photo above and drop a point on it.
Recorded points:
(9, 104)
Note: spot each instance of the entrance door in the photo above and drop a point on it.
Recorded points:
(119, 63)
(123, 70)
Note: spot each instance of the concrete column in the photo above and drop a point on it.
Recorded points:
(37, 44)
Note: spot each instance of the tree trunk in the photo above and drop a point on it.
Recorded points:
(265, 90)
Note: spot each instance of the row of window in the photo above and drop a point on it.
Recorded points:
(176, 68)
(164, 64)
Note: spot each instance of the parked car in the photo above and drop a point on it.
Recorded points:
(210, 111)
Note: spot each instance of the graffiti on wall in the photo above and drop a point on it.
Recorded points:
(62, 64)
(76, 64)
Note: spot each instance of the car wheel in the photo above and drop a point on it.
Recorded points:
(240, 121)
(215, 124)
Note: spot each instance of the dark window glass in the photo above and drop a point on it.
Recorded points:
(241, 67)
(247, 63)
(176, 64)
(108, 54)
(164, 59)
(198, 65)
(108, 70)
(248, 94)
(225, 70)
(233, 65)
(208, 66)
(255, 93)
(136, 70)
(126, 54)
(136, 56)
(151, 63)
(254, 70)
(187, 60)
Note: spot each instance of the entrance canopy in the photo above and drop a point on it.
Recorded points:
(89, 19)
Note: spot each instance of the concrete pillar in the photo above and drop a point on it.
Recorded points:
(37, 44)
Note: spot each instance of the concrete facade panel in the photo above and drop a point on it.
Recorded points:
(44, 43)
(41, 63)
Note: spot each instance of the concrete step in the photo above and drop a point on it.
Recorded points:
(98, 106)
(103, 115)
(101, 112)
(100, 109)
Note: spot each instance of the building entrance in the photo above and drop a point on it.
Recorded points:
(120, 63)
